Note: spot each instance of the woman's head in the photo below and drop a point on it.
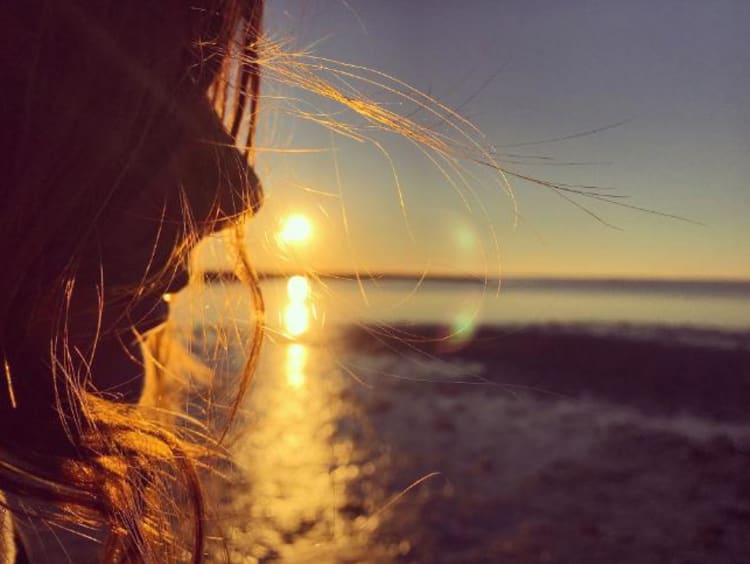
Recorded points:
(115, 156)
(126, 137)
(115, 161)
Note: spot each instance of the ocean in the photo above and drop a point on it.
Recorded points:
(446, 421)
(688, 304)
(392, 421)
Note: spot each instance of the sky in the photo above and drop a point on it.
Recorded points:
(675, 76)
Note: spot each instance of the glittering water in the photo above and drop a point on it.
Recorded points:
(463, 305)
(440, 422)
(370, 448)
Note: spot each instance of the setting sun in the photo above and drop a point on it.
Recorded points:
(296, 228)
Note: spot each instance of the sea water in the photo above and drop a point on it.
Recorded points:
(348, 453)
(705, 305)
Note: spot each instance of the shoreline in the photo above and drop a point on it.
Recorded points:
(666, 371)
(634, 283)
(527, 445)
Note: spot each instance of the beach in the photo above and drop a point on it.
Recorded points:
(591, 425)
(550, 443)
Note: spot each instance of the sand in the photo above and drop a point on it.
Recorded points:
(552, 444)
(541, 444)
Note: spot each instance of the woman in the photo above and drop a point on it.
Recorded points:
(126, 137)
(127, 130)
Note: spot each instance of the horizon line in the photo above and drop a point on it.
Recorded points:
(228, 275)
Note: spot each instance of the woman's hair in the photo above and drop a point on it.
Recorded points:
(127, 133)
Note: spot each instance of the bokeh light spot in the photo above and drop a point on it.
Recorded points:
(463, 327)
(465, 238)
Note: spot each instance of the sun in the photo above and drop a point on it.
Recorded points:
(295, 229)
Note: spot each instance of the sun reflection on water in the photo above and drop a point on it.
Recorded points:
(296, 314)
(296, 319)
(296, 360)
(298, 289)
(298, 460)
(309, 475)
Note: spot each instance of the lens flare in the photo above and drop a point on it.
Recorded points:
(465, 238)
(463, 327)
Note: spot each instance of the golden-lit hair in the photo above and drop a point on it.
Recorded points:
(96, 92)
(167, 69)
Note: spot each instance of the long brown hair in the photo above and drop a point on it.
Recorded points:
(101, 100)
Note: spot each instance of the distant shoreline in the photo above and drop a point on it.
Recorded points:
(525, 282)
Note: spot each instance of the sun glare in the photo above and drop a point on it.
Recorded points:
(296, 358)
(295, 229)
(296, 319)
(296, 314)
(298, 289)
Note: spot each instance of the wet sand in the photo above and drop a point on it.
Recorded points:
(540, 444)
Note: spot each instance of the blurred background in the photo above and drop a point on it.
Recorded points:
(666, 83)
(466, 366)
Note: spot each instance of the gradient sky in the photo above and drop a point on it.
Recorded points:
(677, 72)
